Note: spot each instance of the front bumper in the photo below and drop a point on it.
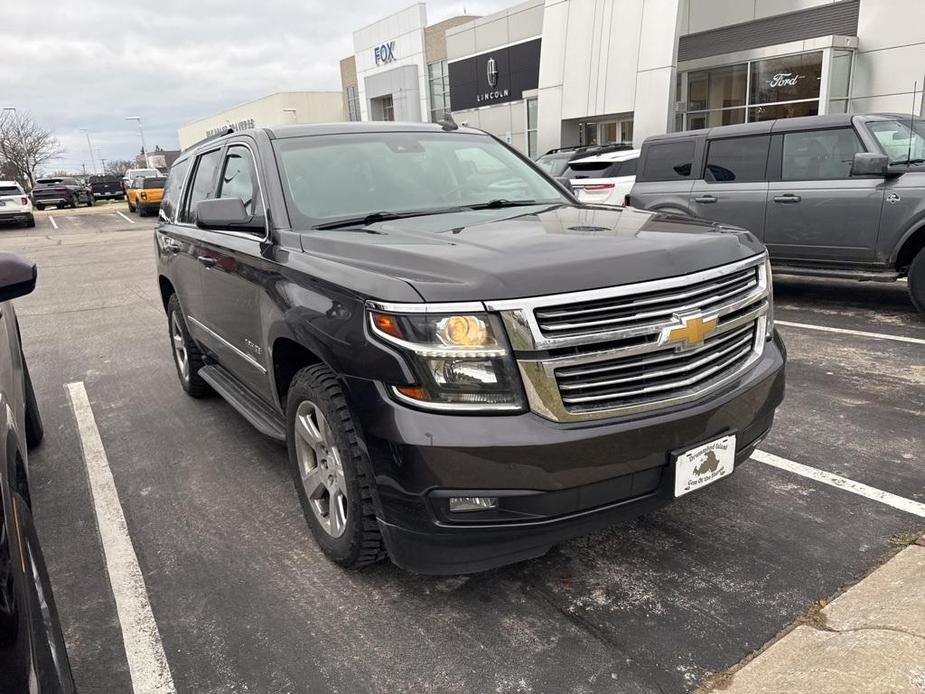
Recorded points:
(555, 481)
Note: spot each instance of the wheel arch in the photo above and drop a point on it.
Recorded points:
(167, 289)
(910, 246)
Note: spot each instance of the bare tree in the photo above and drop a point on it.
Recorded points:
(118, 167)
(25, 145)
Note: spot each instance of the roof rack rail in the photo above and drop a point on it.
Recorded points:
(593, 149)
(226, 131)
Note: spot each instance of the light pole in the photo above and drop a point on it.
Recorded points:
(144, 152)
(86, 131)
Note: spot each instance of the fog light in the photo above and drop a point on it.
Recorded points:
(463, 504)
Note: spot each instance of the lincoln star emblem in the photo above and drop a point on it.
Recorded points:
(492, 69)
(691, 332)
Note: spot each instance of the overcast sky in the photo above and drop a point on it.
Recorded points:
(88, 64)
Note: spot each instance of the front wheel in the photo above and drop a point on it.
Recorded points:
(329, 467)
(187, 356)
(917, 281)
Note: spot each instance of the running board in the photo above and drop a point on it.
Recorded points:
(253, 409)
(862, 275)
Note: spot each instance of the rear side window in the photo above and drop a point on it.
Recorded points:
(203, 187)
(737, 160)
(172, 188)
(819, 154)
(626, 168)
(669, 161)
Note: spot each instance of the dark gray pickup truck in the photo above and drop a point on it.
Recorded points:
(832, 196)
(466, 364)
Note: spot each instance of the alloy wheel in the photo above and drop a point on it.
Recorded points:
(179, 346)
(321, 469)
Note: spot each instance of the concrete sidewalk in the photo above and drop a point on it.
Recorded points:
(869, 640)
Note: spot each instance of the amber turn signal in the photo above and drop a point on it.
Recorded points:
(413, 392)
(387, 324)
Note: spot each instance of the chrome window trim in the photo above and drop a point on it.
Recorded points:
(525, 334)
(244, 355)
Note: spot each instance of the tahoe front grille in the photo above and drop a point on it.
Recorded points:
(639, 347)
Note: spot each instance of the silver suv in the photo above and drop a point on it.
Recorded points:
(835, 196)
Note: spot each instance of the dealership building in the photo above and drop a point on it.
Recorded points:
(282, 108)
(549, 73)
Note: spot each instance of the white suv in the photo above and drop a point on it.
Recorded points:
(15, 205)
(603, 179)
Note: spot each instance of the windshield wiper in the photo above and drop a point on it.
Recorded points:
(907, 162)
(501, 203)
(374, 217)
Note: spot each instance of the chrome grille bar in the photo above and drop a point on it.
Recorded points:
(627, 349)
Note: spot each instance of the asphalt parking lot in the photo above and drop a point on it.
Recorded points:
(244, 602)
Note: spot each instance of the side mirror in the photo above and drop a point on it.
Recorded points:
(228, 214)
(17, 276)
(869, 164)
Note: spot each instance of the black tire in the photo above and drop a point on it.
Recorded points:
(142, 211)
(90, 201)
(40, 208)
(72, 203)
(30, 222)
(190, 380)
(35, 429)
(917, 281)
(131, 208)
(361, 543)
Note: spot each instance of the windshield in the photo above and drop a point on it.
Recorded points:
(135, 173)
(9, 190)
(554, 166)
(334, 177)
(49, 181)
(898, 141)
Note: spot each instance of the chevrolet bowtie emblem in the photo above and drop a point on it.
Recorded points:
(691, 332)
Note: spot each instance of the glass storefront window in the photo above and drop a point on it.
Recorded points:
(531, 127)
(439, 86)
(759, 90)
(722, 87)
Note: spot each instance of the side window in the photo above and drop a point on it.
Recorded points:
(239, 179)
(819, 154)
(628, 168)
(737, 159)
(669, 161)
(171, 202)
(203, 187)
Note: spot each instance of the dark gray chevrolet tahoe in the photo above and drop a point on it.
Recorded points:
(836, 196)
(466, 364)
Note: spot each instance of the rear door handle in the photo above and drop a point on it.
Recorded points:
(788, 198)
(705, 199)
(206, 260)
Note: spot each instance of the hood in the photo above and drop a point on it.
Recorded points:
(512, 253)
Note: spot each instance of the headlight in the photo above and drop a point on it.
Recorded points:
(461, 361)
(769, 280)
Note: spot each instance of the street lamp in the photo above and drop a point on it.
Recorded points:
(141, 130)
(86, 131)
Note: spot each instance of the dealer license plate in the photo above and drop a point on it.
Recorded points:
(704, 465)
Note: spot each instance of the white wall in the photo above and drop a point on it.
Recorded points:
(268, 112)
(890, 56)
(406, 28)
(602, 57)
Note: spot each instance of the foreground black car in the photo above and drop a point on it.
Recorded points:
(60, 192)
(467, 365)
(32, 653)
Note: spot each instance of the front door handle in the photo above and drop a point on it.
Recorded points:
(788, 198)
(206, 260)
(705, 199)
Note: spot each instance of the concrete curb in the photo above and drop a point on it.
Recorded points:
(868, 640)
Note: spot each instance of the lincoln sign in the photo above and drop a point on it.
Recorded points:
(494, 77)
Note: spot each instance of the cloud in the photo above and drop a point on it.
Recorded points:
(89, 64)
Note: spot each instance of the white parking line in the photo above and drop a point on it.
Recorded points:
(53, 222)
(897, 502)
(127, 219)
(845, 331)
(144, 651)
